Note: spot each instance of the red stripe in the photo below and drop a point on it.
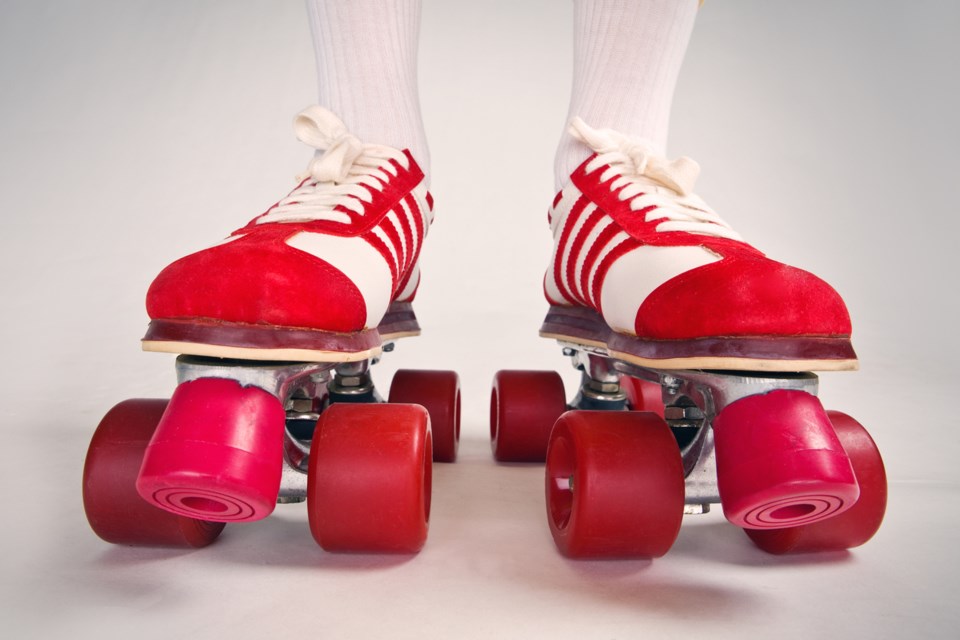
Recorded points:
(390, 228)
(418, 215)
(546, 293)
(557, 198)
(575, 250)
(415, 218)
(404, 218)
(605, 265)
(381, 246)
(575, 212)
(602, 241)
(413, 256)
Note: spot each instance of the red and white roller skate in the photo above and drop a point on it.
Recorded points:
(277, 327)
(665, 309)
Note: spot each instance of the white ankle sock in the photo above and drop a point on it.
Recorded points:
(627, 56)
(366, 54)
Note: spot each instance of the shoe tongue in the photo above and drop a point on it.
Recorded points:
(680, 175)
(337, 149)
(333, 164)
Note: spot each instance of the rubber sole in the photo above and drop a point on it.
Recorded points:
(218, 339)
(585, 327)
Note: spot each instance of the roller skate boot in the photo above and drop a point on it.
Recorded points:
(276, 328)
(696, 352)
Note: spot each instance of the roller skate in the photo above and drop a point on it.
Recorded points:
(696, 353)
(277, 327)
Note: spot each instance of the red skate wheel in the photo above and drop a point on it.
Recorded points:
(614, 485)
(439, 393)
(114, 509)
(369, 479)
(780, 463)
(524, 405)
(856, 525)
(642, 395)
(217, 453)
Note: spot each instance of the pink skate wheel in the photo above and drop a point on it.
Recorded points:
(524, 405)
(114, 509)
(642, 395)
(439, 393)
(217, 453)
(780, 463)
(614, 485)
(369, 481)
(853, 527)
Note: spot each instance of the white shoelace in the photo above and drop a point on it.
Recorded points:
(343, 175)
(650, 181)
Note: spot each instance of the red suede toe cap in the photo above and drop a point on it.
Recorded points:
(743, 296)
(256, 282)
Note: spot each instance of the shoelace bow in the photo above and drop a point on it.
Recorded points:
(341, 173)
(642, 174)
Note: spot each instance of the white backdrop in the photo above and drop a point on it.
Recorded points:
(133, 132)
